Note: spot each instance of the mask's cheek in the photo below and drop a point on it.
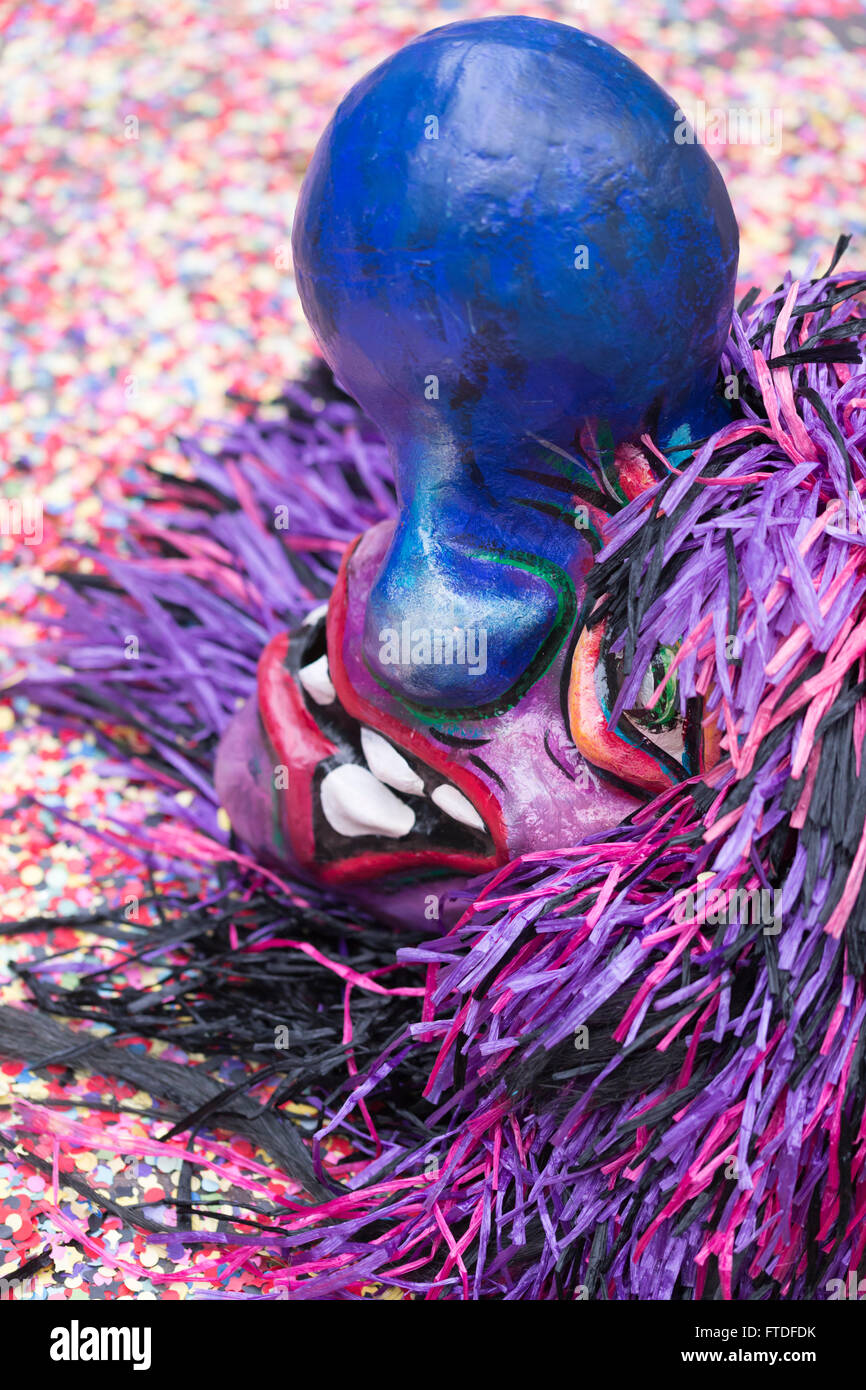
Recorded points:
(653, 761)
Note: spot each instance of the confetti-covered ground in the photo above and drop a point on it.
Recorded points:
(149, 162)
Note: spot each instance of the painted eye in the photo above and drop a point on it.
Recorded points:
(665, 712)
(649, 749)
(661, 723)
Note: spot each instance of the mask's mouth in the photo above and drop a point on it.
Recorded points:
(357, 794)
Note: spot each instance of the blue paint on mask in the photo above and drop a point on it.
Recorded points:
(505, 251)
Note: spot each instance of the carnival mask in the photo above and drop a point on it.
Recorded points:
(519, 273)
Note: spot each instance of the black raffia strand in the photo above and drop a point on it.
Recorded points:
(840, 352)
(224, 1001)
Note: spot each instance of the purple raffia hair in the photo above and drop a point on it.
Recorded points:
(709, 1142)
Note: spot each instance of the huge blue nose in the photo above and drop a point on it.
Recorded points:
(504, 241)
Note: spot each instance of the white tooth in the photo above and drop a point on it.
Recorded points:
(355, 802)
(314, 615)
(316, 680)
(454, 804)
(386, 763)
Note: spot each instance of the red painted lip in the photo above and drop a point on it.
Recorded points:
(299, 744)
(296, 742)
